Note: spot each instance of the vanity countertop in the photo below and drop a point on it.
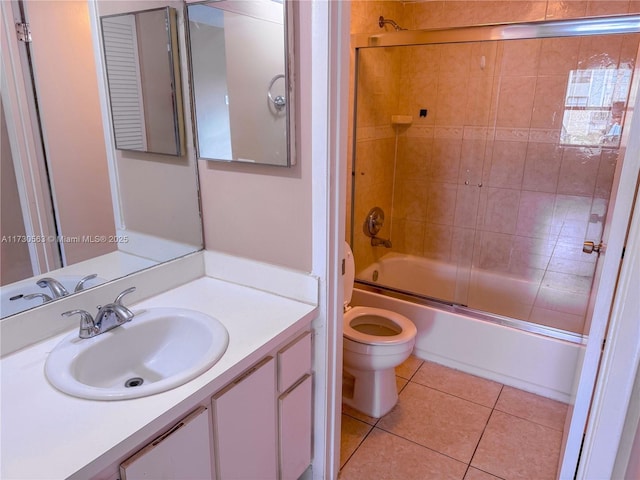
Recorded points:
(47, 434)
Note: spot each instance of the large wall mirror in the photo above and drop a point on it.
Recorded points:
(143, 73)
(242, 87)
(74, 206)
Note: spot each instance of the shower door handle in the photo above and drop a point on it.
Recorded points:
(590, 247)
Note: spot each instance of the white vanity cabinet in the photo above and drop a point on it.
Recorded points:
(259, 426)
(262, 420)
(183, 452)
(265, 310)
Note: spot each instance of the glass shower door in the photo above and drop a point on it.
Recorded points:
(500, 169)
(559, 107)
(423, 130)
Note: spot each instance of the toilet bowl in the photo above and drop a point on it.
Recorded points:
(375, 341)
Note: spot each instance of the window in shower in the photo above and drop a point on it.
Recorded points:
(489, 197)
(594, 106)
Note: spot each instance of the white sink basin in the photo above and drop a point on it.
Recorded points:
(160, 349)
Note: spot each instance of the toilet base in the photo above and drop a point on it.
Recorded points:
(374, 391)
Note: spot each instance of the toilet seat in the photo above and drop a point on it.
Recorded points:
(355, 316)
(386, 319)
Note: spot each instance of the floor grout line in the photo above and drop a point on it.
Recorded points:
(418, 444)
(458, 396)
(495, 404)
(358, 446)
(484, 471)
(484, 430)
(529, 420)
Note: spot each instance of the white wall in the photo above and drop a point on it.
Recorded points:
(258, 212)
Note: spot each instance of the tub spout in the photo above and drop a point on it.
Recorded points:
(377, 242)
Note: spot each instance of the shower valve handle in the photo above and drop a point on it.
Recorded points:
(374, 222)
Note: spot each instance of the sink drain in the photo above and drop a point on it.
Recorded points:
(134, 382)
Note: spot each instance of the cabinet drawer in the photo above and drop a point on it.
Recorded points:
(183, 452)
(294, 361)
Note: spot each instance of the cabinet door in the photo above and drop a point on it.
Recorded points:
(244, 425)
(295, 429)
(182, 453)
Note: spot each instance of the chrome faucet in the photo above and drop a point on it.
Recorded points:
(109, 316)
(376, 242)
(113, 314)
(83, 280)
(45, 298)
(57, 289)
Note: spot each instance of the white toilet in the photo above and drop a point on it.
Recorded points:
(375, 342)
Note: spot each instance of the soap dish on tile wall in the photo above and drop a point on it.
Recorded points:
(401, 119)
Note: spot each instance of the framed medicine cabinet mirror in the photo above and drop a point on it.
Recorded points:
(143, 75)
(242, 88)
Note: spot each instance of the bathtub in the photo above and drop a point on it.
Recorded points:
(524, 298)
(466, 340)
(423, 276)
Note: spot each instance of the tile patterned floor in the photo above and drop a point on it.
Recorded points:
(451, 425)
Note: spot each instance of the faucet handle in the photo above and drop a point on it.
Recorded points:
(118, 300)
(45, 298)
(83, 280)
(88, 327)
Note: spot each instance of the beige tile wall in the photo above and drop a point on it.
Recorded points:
(483, 178)
(376, 137)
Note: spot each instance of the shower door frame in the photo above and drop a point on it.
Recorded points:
(586, 27)
(618, 24)
(620, 205)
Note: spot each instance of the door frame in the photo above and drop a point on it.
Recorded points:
(619, 361)
(26, 146)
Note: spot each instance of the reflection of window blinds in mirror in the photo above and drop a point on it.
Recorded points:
(121, 56)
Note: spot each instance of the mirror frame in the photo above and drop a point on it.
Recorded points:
(176, 79)
(290, 87)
